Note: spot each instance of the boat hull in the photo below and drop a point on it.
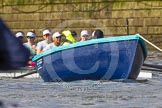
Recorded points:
(97, 61)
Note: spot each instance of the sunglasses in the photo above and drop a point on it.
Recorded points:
(46, 34)
(21, 37)
(30, 37)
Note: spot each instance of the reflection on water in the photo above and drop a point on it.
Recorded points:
(34, 93)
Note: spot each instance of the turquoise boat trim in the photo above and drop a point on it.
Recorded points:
(93, 41)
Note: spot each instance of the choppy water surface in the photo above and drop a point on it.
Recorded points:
(34, 93)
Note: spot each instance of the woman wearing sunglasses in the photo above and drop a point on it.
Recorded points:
(31, 45)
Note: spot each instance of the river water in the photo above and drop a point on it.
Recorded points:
(34, 93)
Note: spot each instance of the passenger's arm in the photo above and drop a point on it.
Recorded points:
(39, 48)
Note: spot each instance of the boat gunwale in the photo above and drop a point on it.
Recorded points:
(94, 41)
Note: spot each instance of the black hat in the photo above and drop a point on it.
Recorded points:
(98, 34)
(73, 33)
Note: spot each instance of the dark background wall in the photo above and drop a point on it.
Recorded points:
(144, 16)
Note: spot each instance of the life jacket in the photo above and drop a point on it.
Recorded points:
(69, 37)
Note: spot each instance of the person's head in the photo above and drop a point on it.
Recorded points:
(69, 35)
(84, 35)
(30, 36)
(47, 35)
(20, 36)
(56, 38)
(74, 33)
(97, 34)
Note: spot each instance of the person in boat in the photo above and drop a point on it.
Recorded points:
(31, 45)
(47, 40)
(20, 36)
(84, 35)
(56, 41)
(97, 34)
(69, 37)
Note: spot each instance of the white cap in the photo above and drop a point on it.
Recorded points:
(30, 34)
(56, 34)
(19, 34)
(47, 31)
(84, 33)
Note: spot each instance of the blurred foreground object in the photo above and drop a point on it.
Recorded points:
(8, 104)
(12, 53)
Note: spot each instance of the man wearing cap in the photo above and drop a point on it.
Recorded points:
(84, 35)
(56, 41)
(47, 40)
(30, 44)
(20, 35)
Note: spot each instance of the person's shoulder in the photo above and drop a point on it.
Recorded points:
(49, 46)
(66, 43)
(40, 42)
(26, 44)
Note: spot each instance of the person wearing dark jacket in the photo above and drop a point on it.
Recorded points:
(97, 34)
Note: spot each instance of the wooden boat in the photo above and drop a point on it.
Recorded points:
(119, 57)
